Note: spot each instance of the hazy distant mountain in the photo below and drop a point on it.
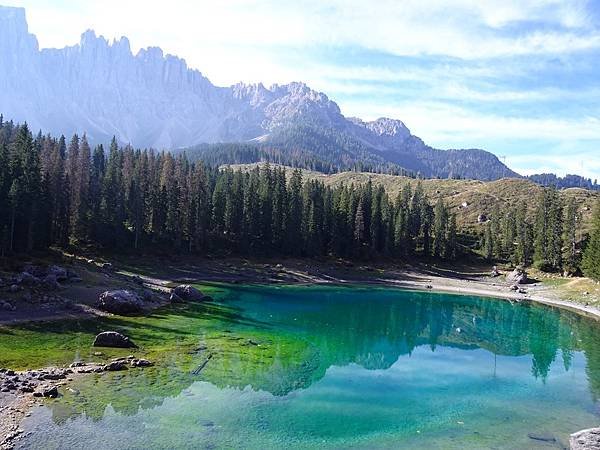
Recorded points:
(568, 181)
(154, 100)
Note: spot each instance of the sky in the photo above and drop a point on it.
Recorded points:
(520, 78)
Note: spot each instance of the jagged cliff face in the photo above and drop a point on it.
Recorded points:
(150, 99)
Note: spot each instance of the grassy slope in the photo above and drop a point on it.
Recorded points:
(480, 196)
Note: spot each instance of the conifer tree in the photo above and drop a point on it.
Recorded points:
(488, 242)
(451, 249)
(571, 256)
(439, 228)
(591, 257)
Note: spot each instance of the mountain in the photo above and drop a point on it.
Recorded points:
(568, 181)
(150, 99)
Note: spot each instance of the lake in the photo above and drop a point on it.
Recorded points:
(322, 367)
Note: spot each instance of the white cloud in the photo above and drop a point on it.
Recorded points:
(532, 145)
(460, 28)
(440, 122)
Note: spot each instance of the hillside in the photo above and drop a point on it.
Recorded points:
(149, 99)
(480, 196)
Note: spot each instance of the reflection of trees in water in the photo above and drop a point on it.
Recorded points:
(367, 332)
(590, 343)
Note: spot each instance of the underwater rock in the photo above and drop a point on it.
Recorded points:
(141, 363)
(113, 339)
(115, 366)
(51, 392)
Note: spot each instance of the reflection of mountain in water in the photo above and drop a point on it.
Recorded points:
(369, 328)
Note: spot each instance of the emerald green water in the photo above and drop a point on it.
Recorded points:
(323, 367)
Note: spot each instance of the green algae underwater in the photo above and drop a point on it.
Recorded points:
(321, 367)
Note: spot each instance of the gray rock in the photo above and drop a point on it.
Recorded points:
(51, 392)
(586, 439)
(150, 296)
(120, 302)
(6, 306)
(59, 273)
(13, 288)
(517, 276)
(107, 266)
(174, 298)
(26, 279)
(115, 366)
(141, 363)
(50, 282)
(188, 293)
(113, 339)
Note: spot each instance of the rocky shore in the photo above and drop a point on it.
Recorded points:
(586, 439)
(20, 391)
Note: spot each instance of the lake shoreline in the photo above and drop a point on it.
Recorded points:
(423, 277)
(462, 279)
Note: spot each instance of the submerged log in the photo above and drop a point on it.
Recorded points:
(201, 367)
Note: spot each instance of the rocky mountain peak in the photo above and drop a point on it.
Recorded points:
(388, 127)
(14, 32)
(155, 100)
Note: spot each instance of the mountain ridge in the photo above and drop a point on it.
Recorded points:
(153, 99)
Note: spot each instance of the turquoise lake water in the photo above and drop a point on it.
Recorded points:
(337, 367)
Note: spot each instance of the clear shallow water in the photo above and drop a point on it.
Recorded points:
(331, 367)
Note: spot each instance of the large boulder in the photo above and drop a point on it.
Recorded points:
(113, 339)
(188, 293)
(517, 276)
(120, 302)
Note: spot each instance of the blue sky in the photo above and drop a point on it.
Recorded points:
(519, 78)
